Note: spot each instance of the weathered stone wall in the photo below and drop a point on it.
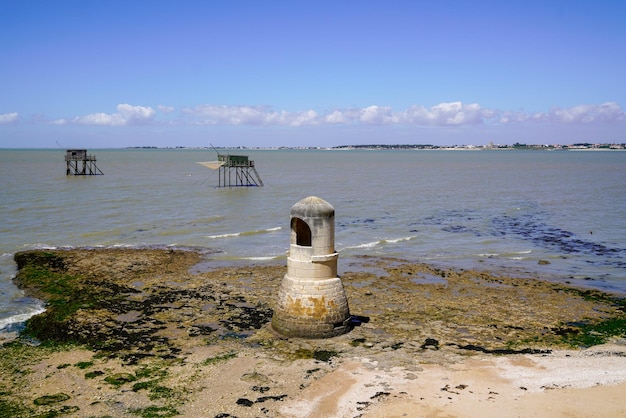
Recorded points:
(311, 308)
(301, 264)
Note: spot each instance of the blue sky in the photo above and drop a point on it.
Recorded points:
(291, 73)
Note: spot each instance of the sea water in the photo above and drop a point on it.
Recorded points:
(556, 215)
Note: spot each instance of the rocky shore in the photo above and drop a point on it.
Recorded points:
(165, 332)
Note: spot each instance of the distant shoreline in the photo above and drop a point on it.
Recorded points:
(383, 147)
(425, 147)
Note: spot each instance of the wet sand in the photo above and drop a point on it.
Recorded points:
(163, 332)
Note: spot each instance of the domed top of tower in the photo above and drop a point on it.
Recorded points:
(313, 207)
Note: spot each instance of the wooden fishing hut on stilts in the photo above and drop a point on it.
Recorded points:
(235, 171)
(79, 163)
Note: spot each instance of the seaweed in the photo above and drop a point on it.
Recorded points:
(590, 334)
(155, 412)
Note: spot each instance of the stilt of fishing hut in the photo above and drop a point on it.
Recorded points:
(79, 163)
(235, 171)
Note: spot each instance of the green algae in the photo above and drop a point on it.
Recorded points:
(319, 355)
(84, 364)
(590, 334)
(45, 276)
(155, 389)
(155, 412)
(357, 342)
(9, 408)
(16, 361)
(93, 374)
(218, 359)
(119, 379)
(50, 399)
(584, 334)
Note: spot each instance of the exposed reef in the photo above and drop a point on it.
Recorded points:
(148, 309)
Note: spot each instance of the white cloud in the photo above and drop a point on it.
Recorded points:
(606, 112)
(126, 115)
(447, 114)
(248, 115)
(609, 112)
(335, 117)
(165, 109)
(226, 115)
(7, 118)
(375, 115)
(135, 114)
(308, 117)
(444, 114)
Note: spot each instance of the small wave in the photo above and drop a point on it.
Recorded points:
(396, 240)
(518, 255)
(365, 245)
(119, 245)
(273, 257)
(245, 233)
(40, 246)
(262, 231)
(236, 234)
(21, 317)
(379, 243)
(237, 258)
(513, 255)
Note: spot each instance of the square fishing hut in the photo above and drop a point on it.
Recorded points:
(79, 163)
(235, 171)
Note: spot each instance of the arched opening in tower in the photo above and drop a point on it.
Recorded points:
(302, 232)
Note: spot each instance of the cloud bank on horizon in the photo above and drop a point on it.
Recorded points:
(251, 73)
(443, 114)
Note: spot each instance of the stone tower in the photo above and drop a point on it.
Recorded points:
(311, 299)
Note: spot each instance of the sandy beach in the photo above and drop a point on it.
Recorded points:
(588, 383)
(171, 335)
(516, 386)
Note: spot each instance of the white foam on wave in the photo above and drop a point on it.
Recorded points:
(512, 255)
(365, 245)
(21, 317)
(239, 234)
(396, 240)
(378, 243)
(518, 255)
(236, 234)
(117, 246)
(40, 246)
(273, 257)
(237, 258)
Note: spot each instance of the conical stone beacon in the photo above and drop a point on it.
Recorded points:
(311, 299)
